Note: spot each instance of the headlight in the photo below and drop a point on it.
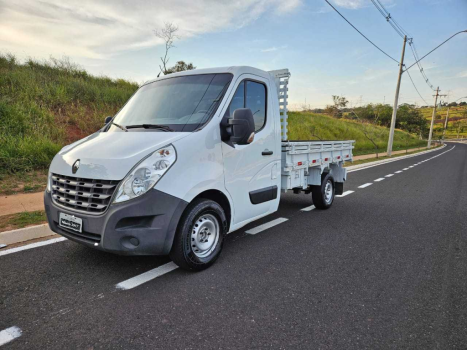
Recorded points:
(49, 182)
(145, 175)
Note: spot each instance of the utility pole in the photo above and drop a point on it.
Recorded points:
(446, 123)
(396, 100)
(433, 116)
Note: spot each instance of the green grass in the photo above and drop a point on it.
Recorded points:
(303, 125)
(28, 182)
(45, 105)
(20, 220)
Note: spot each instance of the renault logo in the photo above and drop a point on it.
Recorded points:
(75, 167)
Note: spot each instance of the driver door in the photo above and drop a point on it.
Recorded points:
(251, 172)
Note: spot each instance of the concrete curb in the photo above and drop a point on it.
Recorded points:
(25, 234)
(384, 161)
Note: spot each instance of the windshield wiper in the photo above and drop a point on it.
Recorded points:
(120, 126)
(150, 126)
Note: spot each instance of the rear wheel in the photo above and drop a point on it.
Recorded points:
(200, 235)
(323, 195)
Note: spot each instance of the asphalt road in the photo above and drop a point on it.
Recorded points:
(384, 268)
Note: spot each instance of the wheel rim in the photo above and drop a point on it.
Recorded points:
(205, 235)
(328, 192)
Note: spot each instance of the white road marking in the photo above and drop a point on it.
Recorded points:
(265, 226)
(365, 185)
(389, 175)
(398, 171)
(386, 161)
(9, 334)
(411, 166)
(147, 276)
(382, 162)
(346, 193)
(310, 208)
(33, 245)
(405, 169)
(380, 179)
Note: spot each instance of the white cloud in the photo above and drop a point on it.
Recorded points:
(356, 4)
(98, 30)
(462, 74)
(351, 4)
(274, 48)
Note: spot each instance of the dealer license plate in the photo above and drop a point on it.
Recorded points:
(70, 222)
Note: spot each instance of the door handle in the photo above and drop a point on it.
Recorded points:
(267, 153)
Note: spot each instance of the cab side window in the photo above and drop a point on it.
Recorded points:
(238, 101)
(250, 95)
(256, 101)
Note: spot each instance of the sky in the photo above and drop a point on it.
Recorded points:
(324, 54)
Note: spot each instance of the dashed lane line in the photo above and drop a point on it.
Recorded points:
(365, 185)
(346, 193)
(380, 179)
(389, 175)
(9, 334)
(265, 226)
(310, 208)
(146, 276)
(405, 169)
(398, 171)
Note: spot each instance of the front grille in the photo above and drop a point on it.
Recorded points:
(86, 195)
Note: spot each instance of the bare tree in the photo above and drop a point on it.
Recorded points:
(169, 35)
(370, 132)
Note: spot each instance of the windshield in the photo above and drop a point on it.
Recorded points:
(178, 104)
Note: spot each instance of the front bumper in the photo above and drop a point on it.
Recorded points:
(142, 226)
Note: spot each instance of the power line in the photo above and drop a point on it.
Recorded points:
(361, 33)
(415, 55)
(402, 33)
(387, 16)
(452, 36)
(416, 88)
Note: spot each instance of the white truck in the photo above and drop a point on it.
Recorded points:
(190, 157)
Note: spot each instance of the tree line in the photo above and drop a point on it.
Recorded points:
(409, 118)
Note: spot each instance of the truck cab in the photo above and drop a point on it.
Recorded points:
(190, 157)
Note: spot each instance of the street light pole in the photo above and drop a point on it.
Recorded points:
(396, 100)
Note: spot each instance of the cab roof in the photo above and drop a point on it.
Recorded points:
(235, 70)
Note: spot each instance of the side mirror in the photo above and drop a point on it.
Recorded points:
(242, 126)
(108, 119)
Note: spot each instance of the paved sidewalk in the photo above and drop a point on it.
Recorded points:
(384, 154)
(21, 202)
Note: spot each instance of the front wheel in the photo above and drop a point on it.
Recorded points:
(200, 235)
(323, 195)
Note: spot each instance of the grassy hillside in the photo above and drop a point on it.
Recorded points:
(308, 126)
(456, 114)
(44, 106)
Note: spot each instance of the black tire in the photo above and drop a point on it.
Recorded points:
(319, 195)
(184, 252)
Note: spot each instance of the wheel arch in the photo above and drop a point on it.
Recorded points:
(220, 198)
